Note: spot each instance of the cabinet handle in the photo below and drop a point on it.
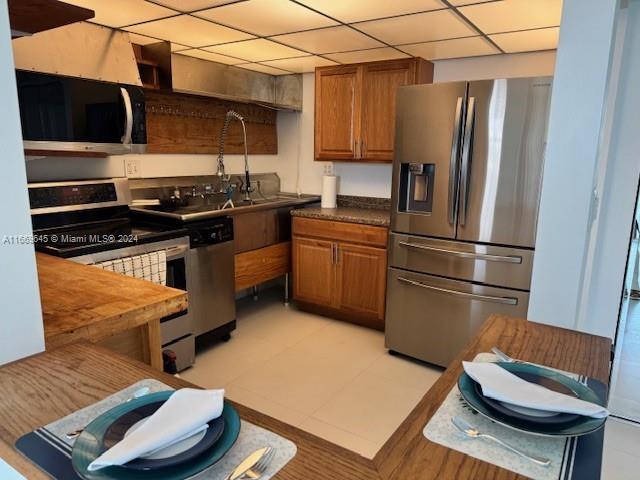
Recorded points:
(337, 254)
(361, 147)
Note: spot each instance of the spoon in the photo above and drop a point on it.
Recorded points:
(137, 394)
(472, 432)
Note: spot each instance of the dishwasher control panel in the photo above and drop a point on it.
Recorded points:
(211, 232)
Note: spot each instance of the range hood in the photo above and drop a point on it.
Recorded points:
(82, 50)
(202, 77)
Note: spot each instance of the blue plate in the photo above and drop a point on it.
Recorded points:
(580, 426)
(89, 445)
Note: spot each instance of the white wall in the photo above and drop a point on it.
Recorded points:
(577, 105)
(495, 66)
(618, 181)
(21, 331)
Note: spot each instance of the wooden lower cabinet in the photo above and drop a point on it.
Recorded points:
(313, 271)
(361, 280)
(337, 277)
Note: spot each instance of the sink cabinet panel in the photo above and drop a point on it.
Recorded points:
(339, 270)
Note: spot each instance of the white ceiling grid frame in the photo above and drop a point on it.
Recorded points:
(326, 32)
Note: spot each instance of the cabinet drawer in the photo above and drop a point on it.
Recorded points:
(341, 231)
(258, 266)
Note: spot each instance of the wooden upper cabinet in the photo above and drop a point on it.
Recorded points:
(379, 84)
(355, 108)
(336, 113)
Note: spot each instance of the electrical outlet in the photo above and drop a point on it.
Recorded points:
(328, 168)
(132, 167)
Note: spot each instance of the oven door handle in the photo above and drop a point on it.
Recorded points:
(457, 293)
(175, 252)
(472, 255)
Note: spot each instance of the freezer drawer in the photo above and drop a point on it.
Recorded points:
(432, 318)
(499, 266)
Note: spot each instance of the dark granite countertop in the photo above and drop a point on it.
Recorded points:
(367, 216)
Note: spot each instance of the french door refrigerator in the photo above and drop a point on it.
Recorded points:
(466, 185)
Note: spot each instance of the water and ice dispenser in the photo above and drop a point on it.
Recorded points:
(416, 187)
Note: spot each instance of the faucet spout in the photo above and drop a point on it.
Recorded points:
(232, 114)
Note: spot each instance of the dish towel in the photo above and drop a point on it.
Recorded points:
(185, 413)
(148, 266)
(503, 386)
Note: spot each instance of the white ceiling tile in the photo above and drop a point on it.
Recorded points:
(213, 57)
(356, 10)
(256, 50)
(190, 31)
(118, 13)
(191, 5)
(258, 67)
(527, 41)
(421, 27)
(370, 55)
(176, 47)
(267, 17)
(456, 48)
(300, 64)
(332, 39)
(510, 15)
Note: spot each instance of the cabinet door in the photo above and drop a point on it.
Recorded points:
(313, 271)
(361, 281)
(337, 112)
(379, 84)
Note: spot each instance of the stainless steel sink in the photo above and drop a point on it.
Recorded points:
(201, 210)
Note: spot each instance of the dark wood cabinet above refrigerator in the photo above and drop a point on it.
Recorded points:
(355, 107)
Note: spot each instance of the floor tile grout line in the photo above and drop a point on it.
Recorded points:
(315, 419)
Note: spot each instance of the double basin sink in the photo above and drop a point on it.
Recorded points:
(202, 208)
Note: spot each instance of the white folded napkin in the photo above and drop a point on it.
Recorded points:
(499, 384)
(185, 413)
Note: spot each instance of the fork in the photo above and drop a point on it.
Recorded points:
(257, 471)
(472, 432)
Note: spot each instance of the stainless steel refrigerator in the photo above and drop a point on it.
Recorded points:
(466, 185)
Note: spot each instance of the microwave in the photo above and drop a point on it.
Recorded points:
(78, 115)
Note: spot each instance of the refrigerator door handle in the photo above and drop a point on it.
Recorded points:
(466, 160)
(453, 164)
(476, 256)
(472, 296)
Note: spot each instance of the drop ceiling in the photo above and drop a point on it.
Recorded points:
(293, 36)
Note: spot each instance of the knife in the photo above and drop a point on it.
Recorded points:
(248, 463)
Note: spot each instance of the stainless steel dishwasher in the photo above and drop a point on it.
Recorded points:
(211, 266)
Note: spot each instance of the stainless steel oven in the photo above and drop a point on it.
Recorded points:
(177, 330)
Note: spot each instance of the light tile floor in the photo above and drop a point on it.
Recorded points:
(337, 381)
(330, 378)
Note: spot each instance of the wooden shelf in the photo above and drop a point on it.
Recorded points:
(30, 152)
(33, 16)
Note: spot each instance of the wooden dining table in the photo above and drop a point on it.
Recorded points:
(48, 386)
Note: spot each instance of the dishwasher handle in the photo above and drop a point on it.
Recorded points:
(471, 296)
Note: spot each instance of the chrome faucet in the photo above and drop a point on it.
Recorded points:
(224, 178)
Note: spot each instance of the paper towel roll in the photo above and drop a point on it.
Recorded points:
(329, 191)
